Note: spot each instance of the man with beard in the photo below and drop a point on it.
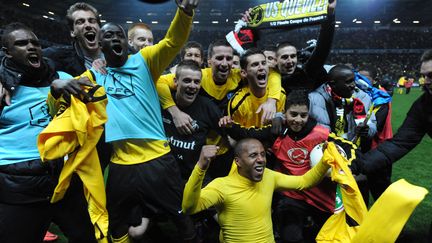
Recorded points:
(26, 183)
(292, 151)
(141, 163)
(243, 198)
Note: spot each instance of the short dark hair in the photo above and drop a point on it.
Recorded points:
(114, 24)
(132, 27)
(297, 97)
(190, 64)
(11, 28)
(248, 53)
(426, 56)
(270, 48)
(283, 45)
(239, 147)
(219, 42)
(337, 70)
(189, 45)
(80, 6)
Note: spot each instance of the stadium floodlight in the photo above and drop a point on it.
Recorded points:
(336, 25)
(396, 21)
(50, 12)
(354, 20)
(155, 22)
(338, 22)
(129, 22)
(103, 21)
(359, 22)
(26, 4)
(196, 22)
(377, 22)
(416, 22)
(44, 16)
(215, 22)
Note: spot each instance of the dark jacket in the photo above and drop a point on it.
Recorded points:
(416, 125)
(313, 74)
(12, 76)
(30, 181)
(69, 59)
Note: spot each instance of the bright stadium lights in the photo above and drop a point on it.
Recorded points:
(359, 22)
(338, 22)
(44, 16)
(215, 22)
(396, 21)
(140, 20)
(50, 12)
(226, 20)
(26, 4)
(103, 21)
(354, 20)
(416, 22)
(129, 22)
(377, 22)
(155, 22)
(196, 22)
(336, 25)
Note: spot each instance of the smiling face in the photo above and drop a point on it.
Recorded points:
(256, 72)
(271, 58)
(286, 59)
(221, 63)
(297, 117)
(188, 83)
(114, 45)
(24, 48)
(251, 160)
(193, 54)
(85, 30)
(141, 38)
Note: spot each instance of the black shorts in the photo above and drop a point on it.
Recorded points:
(143, 189)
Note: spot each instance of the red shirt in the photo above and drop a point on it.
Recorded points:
(294, 159)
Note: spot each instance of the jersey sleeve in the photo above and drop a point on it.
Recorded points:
(196, 199)
(274, 85)
(164, 86)
(159, 56)
(311, 178)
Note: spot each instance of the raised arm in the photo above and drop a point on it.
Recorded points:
(315, 65)
(196, 199)
(159, 56)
